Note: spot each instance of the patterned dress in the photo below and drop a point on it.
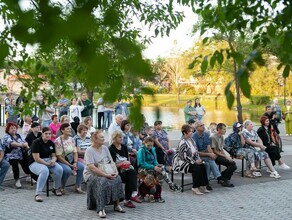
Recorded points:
(253, 136)
(101, 191)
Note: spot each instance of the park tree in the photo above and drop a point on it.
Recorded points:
(101, 40)
(269, 21)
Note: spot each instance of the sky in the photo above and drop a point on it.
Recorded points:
(179, 39)
(162, 47)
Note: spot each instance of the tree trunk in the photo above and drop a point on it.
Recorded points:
(238, 101)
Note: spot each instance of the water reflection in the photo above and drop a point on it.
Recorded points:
(174, 117)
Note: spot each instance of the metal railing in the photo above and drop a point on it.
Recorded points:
(36, 110)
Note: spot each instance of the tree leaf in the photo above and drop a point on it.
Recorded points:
(220, 57)
(286, 71)
(213, 60)
(204, 64)
(243, 82)
(229, 95)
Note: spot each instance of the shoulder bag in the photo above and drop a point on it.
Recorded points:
(69, 157)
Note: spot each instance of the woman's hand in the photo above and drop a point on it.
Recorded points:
(74, 166)
(111, 176)
(158, 169)
(199, 161)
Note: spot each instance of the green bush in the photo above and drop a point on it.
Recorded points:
(260, 100)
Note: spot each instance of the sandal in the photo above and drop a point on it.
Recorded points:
(57, 192)
(118, 208)
(38, 198)
(79, 190)
(249, 175)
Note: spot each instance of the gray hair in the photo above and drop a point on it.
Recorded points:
(246, 123)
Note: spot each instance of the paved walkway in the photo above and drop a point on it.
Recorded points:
(261, 198)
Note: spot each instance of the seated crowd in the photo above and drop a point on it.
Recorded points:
(144, 155)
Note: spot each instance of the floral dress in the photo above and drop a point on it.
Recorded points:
(253, 136)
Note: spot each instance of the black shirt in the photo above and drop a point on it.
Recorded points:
(119, 154)
(30, 137)
(44, 149)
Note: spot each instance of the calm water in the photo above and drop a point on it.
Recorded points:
(174, 117)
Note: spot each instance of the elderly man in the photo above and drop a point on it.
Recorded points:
(217, 143)
(115, 126)
(203, 142)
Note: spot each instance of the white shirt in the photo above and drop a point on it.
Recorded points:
(112, 128)
(75, 110)
(100, 106)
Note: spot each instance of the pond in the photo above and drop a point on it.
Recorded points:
(174, 117)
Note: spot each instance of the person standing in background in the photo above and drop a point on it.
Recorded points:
(201, 111)
(47, 115)
(189, 111)
(63, 105)
(108, 114)
(88, 106)
(100, 113)
(287, 117)
(276, 108)
(121, 108)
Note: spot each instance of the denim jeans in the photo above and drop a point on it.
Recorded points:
(108, 118)
(43, 173)
(4, 167)
(67, 172)
(211, 166)
(46, 123)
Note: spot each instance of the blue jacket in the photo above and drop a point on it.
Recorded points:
(118, 108)
(146, 159)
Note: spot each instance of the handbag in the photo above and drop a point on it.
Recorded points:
(109, 168)
(69, 157)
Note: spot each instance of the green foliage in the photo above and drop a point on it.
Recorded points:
(94, 43)
(266, 25)
(260, 100)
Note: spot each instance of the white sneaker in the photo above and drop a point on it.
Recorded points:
(102, 214)
(284, 166)
(18, 184)
(275, 174)
(28, 179)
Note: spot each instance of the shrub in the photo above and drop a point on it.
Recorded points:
(260, 100)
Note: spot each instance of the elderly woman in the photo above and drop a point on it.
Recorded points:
(235, 146)
(67, 156)
(162, 144)
(88, 123)
(187, 160)
(254, 142)
(120, 155)
(65, 119)
(54, 126)
(82, 141)
(43, 161)
(102, 187)
(271, 148)
(15, 149)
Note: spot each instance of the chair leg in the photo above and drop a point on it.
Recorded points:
(182, 181)
(171, 175)
(47, 187)
(242, 167)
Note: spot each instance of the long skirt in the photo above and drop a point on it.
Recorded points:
(102, 191)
